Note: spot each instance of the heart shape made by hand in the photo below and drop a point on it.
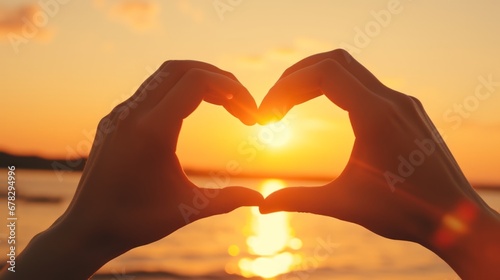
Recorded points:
(401, 180)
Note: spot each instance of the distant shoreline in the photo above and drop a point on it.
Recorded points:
(77, 165)
(40, 163)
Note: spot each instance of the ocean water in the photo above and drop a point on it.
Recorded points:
(242, 244)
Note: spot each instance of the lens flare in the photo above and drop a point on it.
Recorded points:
(455, 224)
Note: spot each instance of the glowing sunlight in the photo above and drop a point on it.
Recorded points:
(271, 244)
(276, 134)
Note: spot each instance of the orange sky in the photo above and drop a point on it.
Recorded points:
(66, 63)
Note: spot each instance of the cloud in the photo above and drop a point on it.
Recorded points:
(299, 49)
(139, 15)
(25, 22)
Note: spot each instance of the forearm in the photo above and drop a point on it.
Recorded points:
(59, 254)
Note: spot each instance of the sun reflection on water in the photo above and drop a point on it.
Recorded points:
(271, 244)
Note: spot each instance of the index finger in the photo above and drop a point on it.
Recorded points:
(238, 101)
(326, 77)
(197, 85)
(344, 59)
(166, 77)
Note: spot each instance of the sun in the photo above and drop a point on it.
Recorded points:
(276, 134)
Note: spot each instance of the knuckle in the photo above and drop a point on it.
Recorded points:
(177, 64)
(120, 108)
(173, 65)
(340, 55)
(229, 75)
(116, 110)
(339, 52)
(165, 65)
(417, 103)
(408, 103)
(403, 105)
(288, 71)
(327, 65)
(106, 122)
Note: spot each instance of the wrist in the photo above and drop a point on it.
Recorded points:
(60, 252)
(467, 239)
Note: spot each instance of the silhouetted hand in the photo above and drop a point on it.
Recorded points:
(401, 180)
(133, 190)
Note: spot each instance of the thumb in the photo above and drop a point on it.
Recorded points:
(298, 199)
(227, 199)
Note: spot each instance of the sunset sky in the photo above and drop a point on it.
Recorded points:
(66, 63)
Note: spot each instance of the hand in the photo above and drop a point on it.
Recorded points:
(133, 190)
(401, 180)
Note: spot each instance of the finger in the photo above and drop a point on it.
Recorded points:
(327, 77)
(239, 103)
(343, 58)
(155, 87)
(227, 199)
(192, 88)
(315, 200)
(169, 73)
